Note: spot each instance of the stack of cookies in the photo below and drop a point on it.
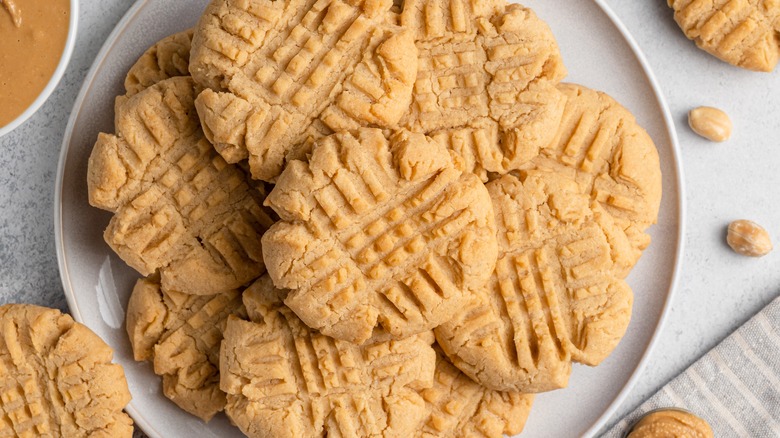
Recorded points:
(371, 218)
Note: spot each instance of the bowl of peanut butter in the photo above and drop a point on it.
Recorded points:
(36, 42)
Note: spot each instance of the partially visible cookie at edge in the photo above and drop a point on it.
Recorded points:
(178, 206)
(280, 74)
(486, 81)
(462, 408)
(378, 228)
(181, 334)
(744, 33)
(284, 379)
(168, 58)
(57, 377)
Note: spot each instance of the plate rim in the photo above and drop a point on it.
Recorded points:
(62, 263)
(660, 99)
(679, 173)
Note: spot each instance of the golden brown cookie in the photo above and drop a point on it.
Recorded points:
(571, 225)
(462, 408)
(556, 291)
(486, 80)
(600, 143)
(181, 334)
(178, 206)
(279, 73)
(745, 33)
(285, 380)
(57, 379)
(168, 58)
(378, 230)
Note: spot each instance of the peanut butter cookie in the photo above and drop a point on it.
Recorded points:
(168, 58)
(284, 379)
(745, 33)
(282, 73)
(57, 379)
(178, 206)
(181, 334)
(601, 145)
(486, 81)
(378, 230)
(571, 225)
(462, 408)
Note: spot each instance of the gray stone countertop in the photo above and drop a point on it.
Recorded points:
(718, 290)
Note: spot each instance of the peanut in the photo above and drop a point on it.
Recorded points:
(749, 239)
(711, 123)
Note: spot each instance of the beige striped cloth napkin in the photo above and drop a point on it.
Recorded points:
(735, 387)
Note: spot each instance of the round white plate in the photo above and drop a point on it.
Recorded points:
(598, 53)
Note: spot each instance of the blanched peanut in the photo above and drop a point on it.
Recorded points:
(711, 123)
(749, 239)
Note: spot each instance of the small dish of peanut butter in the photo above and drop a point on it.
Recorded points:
(36, 41)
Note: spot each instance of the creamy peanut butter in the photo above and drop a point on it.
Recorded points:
(32, 38)
(671, 423)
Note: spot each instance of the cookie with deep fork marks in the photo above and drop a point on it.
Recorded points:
(486, 81)
(178, 206)
(557, 291)
(745, 33)
(601, 145)
(461, 407)
(284, 379)
(571, 225)
(167, 58)
(279, 74)
(378, 228)
(57, 379)
(180, 334)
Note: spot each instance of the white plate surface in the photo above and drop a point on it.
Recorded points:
(598, 53)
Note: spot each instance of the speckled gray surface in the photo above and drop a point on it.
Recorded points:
(28, 167)
(717, 292)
